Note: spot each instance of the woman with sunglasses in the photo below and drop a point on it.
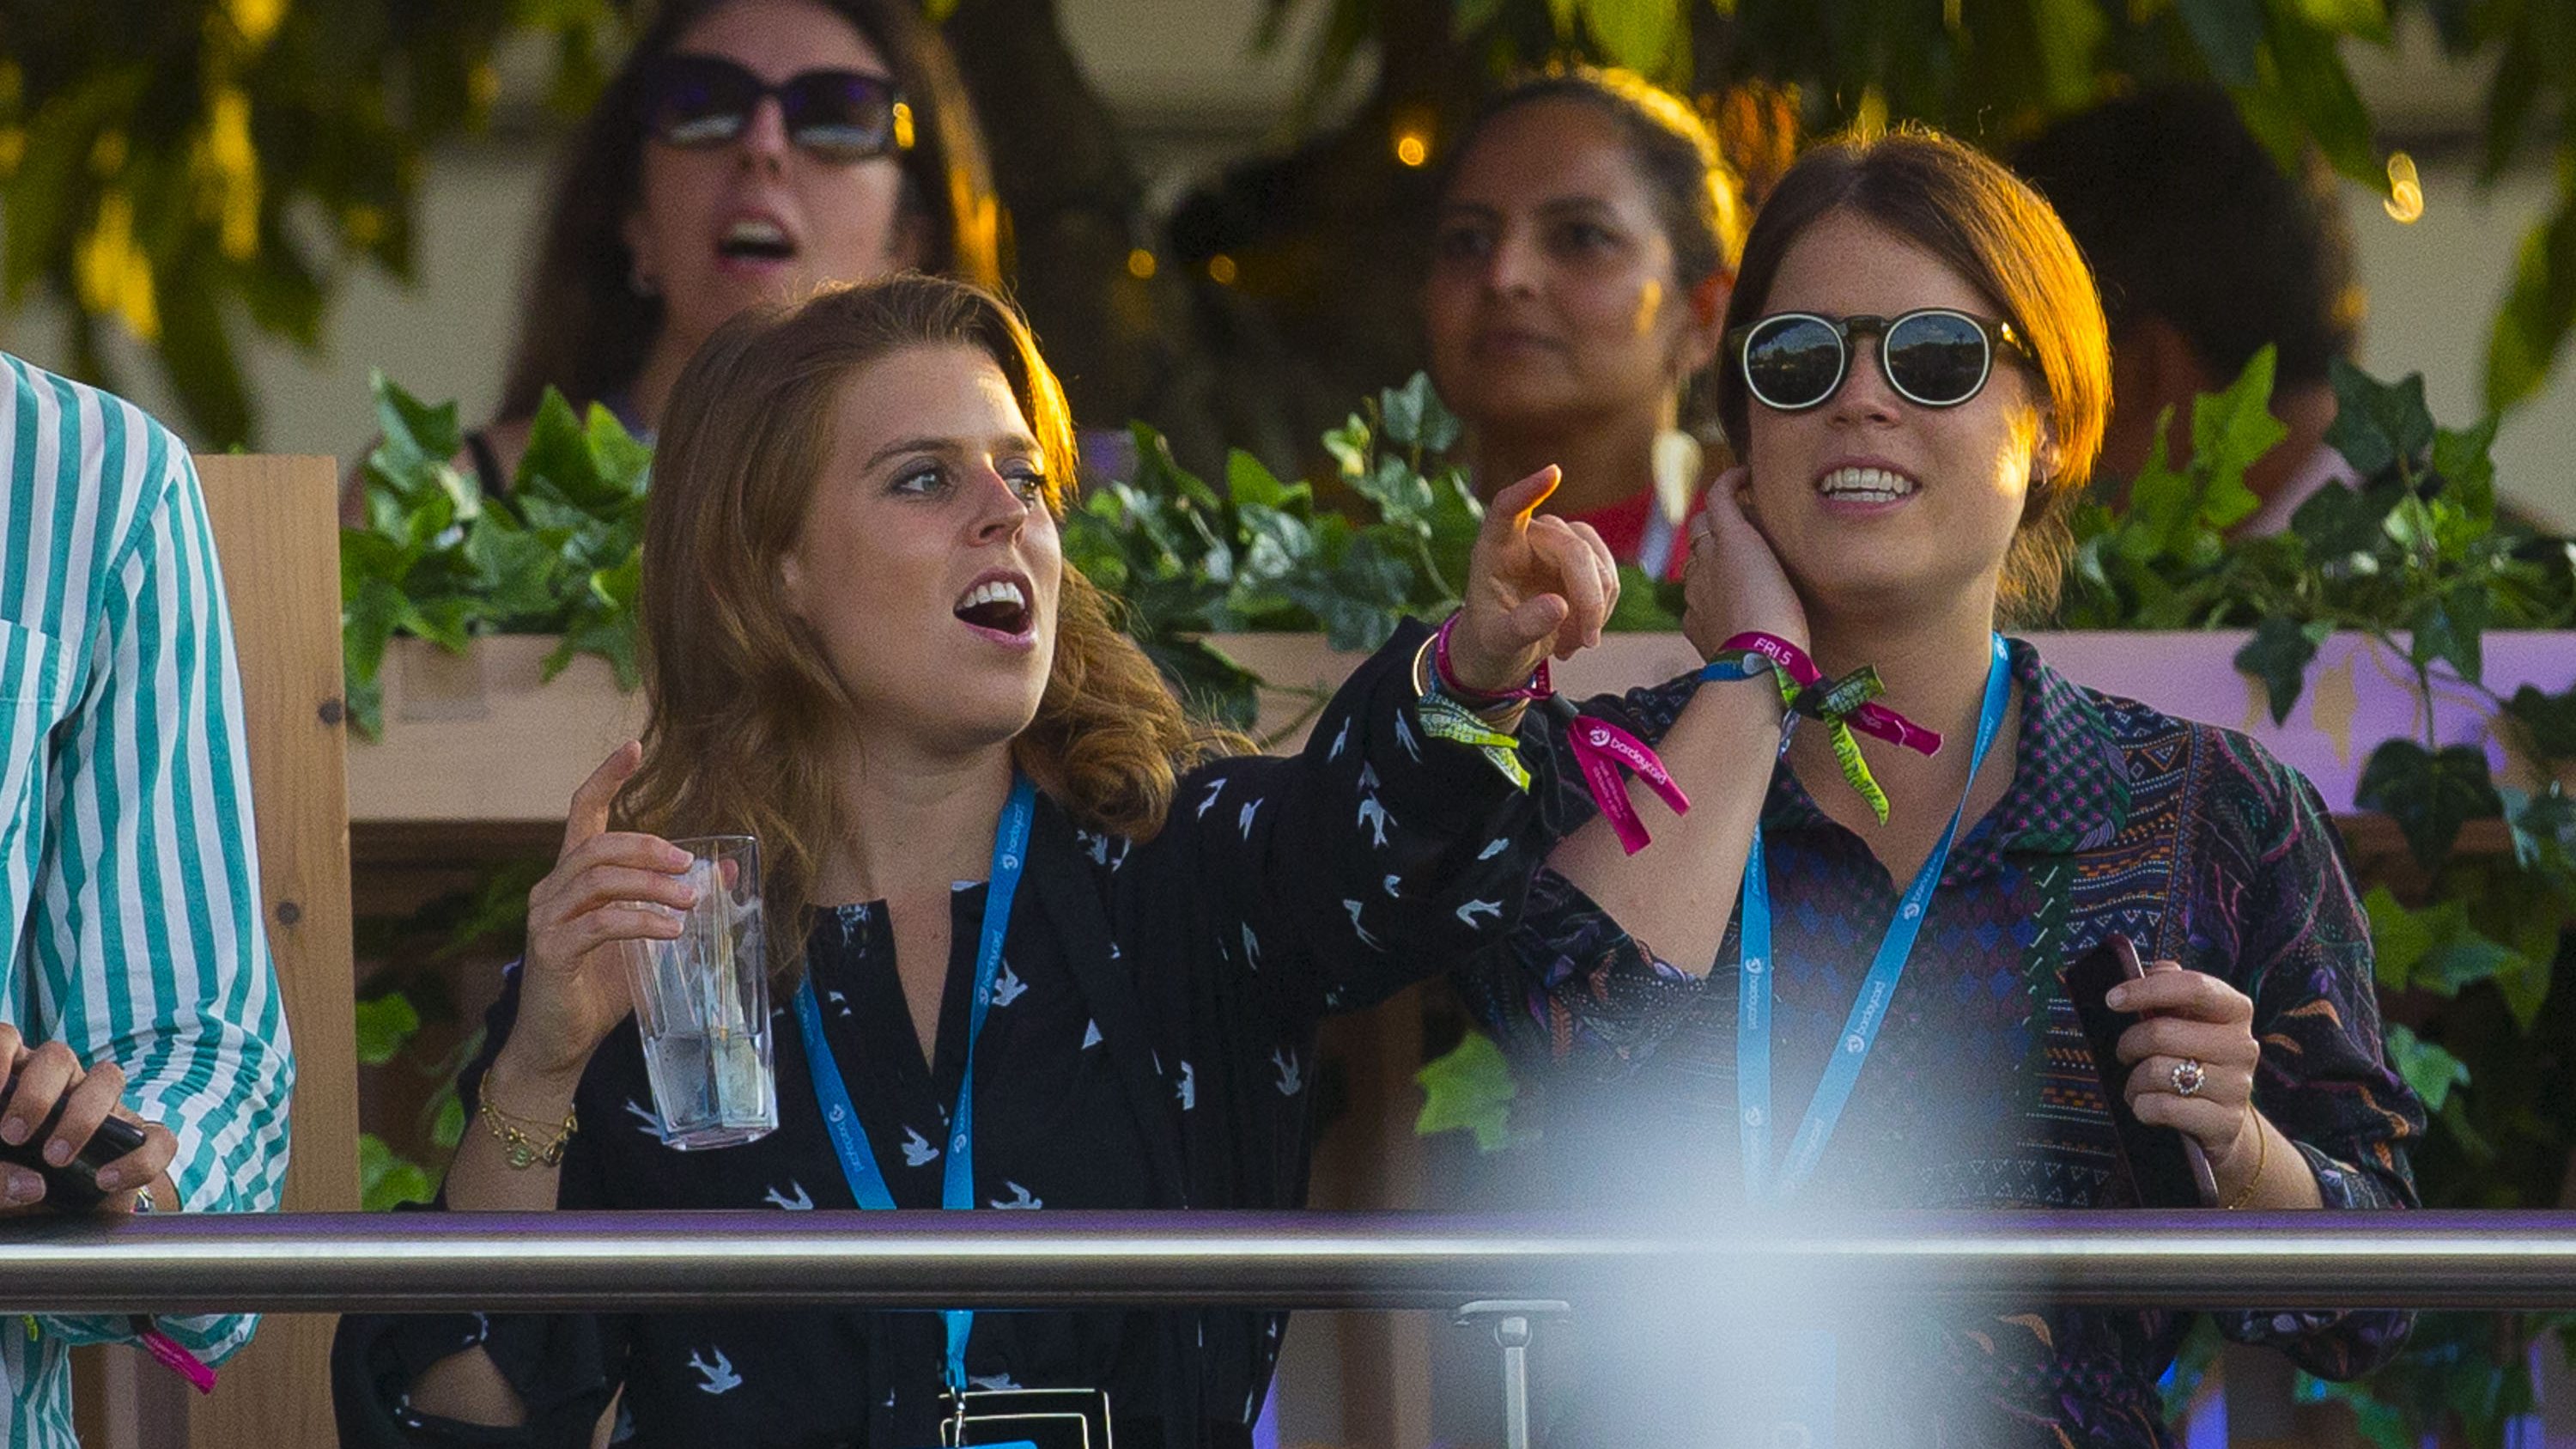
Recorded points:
(1586, 236)
(746, 151)
(863, 644)
(1916, 370)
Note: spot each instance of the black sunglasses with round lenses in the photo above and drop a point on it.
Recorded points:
(838, 115)
(1934, 357)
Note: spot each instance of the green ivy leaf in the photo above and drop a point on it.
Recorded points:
(1349, 446)
(2398, 938)
(384, 1180)
(2431, 1071)
(1640, 609)
(1643, 35)
(1413, 416)
(2543, 824)
(2461, 459)
(2338, 523)
(2367, 19)
(2279, 655)
(2538, 310)
(2231, 430)
(2430, 794)
(2378, 425)
(1470, 1088)
(2450, 628)
(1249, 482)
(384, 1024)
(2550, 718)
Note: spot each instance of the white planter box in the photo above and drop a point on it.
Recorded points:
(479, 738)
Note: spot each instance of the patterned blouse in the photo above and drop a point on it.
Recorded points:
(2188, 838)
(1152, 1043)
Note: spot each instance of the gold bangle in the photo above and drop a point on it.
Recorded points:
(518, 1147)
(2262, 1158)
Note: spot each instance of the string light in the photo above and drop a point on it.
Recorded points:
(2405, 202)
(1140, 265)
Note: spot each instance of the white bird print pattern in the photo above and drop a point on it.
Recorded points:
(1394, 887)
(1215, 788)
(1468, 913)
(1008, 987)
(800, 1202)
(1359, 930)
(917, 1151)
(1244, 820)
(1373, 815)
(1291, 1079)
(717, 1377)
(1404, 737)
(651, 1122)
(995, 1383)
(1340, 738)
(1188, 1089)
(1019, 1200)
(839, 1002)
(1090, 1035)
(1494, 849)
(1251, 948)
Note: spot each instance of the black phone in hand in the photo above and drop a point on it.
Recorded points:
(72, 1187)
(2167, 1164)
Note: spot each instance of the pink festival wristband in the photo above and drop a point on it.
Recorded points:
(1871, 718)
(173, 1357)
(1601, 749)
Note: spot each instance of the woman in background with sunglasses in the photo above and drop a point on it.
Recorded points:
(1916, 371)
(746, 151)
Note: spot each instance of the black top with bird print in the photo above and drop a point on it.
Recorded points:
(1280, 889)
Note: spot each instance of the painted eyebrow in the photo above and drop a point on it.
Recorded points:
(1016, 443)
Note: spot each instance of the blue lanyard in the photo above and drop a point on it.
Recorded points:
(1878, 989)
(841, 1119)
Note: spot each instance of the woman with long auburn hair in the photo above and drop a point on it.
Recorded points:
(1854, 981)
(863, 645)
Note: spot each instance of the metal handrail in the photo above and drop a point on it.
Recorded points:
(637, 1260)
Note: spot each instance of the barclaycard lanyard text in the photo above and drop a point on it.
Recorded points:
(1878, 989)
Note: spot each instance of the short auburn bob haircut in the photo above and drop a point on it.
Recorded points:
(1996, 233)
(744, 707)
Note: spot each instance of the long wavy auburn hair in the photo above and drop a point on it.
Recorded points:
(745, 711)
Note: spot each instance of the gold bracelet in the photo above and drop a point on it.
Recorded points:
(518, 1148)
(2262, 1158)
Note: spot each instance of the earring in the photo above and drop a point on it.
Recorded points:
(1677, 461)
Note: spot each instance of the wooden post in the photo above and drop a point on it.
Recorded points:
(277, 536)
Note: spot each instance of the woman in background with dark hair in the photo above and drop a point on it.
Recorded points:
(747, 151)
(1916, 372)
(1586, 237)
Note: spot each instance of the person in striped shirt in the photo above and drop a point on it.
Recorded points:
(134, 978)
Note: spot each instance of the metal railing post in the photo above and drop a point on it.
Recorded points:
(1514, 1325)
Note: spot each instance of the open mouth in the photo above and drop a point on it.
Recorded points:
(1866, 485)
(751, 239)
(999, 605)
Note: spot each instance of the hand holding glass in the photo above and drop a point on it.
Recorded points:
(702, 1004)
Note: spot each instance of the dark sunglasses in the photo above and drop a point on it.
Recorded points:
(838, 115)
(1934, 357)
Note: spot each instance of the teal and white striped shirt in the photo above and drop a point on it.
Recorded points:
(128, 869)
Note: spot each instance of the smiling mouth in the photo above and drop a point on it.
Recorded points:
(763, 241)
(1866, 485)
(998, 605)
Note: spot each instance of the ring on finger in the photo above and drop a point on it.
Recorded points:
(2188, 1076)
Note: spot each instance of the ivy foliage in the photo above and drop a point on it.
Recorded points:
(437, 558)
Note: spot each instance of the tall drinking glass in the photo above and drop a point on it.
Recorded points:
(702, 1005)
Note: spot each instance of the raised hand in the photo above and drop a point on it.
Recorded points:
(1734, 583)
(1537, 586)
(608, 889)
